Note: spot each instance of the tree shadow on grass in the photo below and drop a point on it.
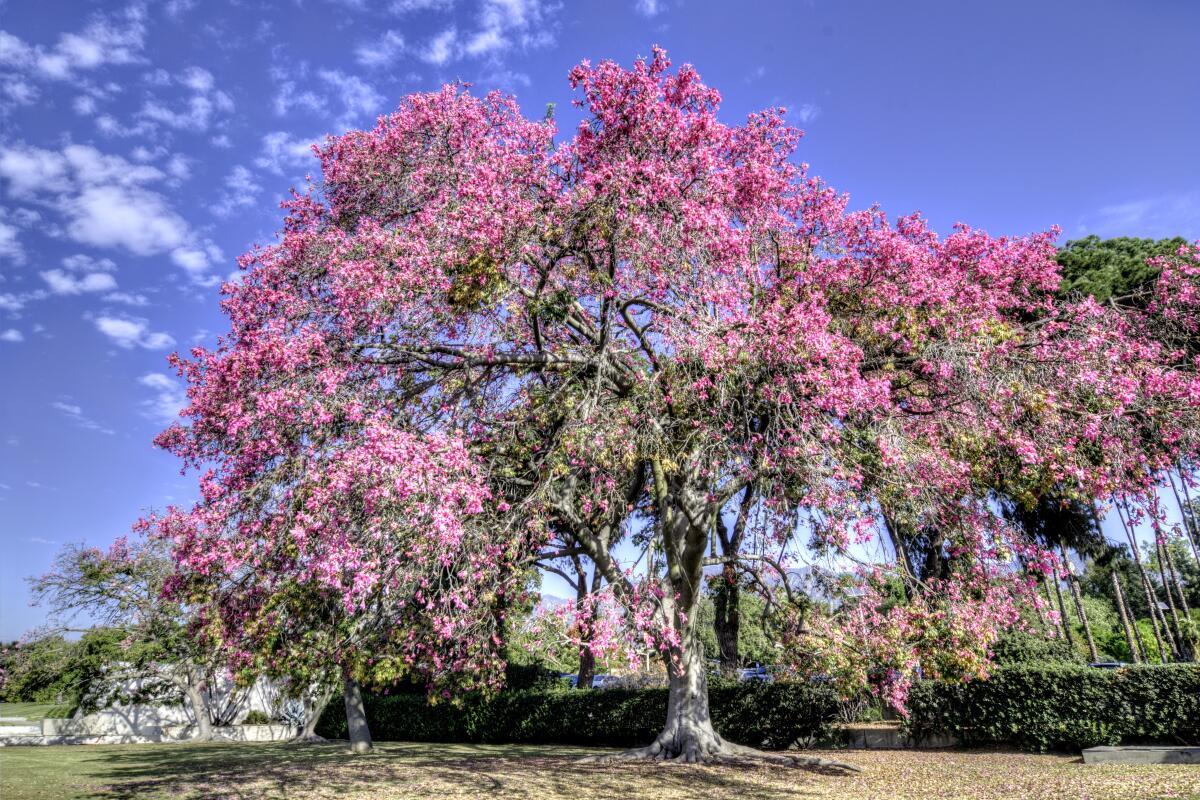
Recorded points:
(399, 770)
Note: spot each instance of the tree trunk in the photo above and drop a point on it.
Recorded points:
(309, 732)
(587, 667)
(1077, 598)
(356, 717)
(1193, 535)
(1062, 612)
(1171, 580)
(1180, 640)
(1147, 587)
(1131, 632)
(688, 735)
(195, 697)
(727, 619)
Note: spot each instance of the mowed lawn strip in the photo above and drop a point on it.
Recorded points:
(402, 770)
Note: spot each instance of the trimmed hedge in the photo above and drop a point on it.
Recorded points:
(771, 716)
(1063, 707)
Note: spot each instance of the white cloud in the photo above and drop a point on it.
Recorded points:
(440, 48)
(169, 397)
(84, 105)
(241, 191)
(381, 52)
(76, 415)
(125, 298)
(197, 113)
(359, 98)
(501, 26)
(10, 245)
(130, 332)
(410, 6)
(12, 335)
(85, 263)
(112, 40)
(288, 98)
(807, 113)
(105, 200)
(281, 151)
(62, 282)
(647, 8)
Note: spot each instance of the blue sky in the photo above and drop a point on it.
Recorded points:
(144, 147)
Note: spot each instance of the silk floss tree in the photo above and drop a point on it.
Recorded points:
(616, 337)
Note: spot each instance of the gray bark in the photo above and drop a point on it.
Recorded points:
(1077, 598)
(1127, 626)
(356, 717)
(195, 697)
(309, 732)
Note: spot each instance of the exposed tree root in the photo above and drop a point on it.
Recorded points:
(715, 750)
(310, 738)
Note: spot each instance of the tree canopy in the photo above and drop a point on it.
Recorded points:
(475, 346)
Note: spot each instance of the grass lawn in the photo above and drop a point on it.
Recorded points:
(35, 711)
(401, 770)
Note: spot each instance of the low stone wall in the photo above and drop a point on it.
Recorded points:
(83, 731)
(886, 737)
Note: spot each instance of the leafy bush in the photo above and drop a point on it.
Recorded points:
(760, 715)
(257, 717)
(1021, 647)
(1063, 707)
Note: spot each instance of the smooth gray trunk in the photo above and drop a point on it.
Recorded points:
(195, 697)
(1077, 598)
(309, 732)
(1126, 625)
(356, 717)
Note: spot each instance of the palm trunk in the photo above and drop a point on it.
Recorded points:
(1183, 624)
(1126, 626)
(1077, 597)
(1189, 526)
(356, 717)
(1062, 612)
(1180, 640)
(1147, 587)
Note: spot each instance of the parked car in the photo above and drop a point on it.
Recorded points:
(1108, 664)
(756, 673)
(605, 681)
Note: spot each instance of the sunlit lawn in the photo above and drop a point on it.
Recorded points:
(34, 711)
(398, 770)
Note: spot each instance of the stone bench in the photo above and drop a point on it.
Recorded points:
(1144, 754)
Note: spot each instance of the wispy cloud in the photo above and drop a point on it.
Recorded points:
(75, 414)
(168, 398)
(1163, 216)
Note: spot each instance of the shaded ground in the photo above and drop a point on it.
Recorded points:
(401, 770)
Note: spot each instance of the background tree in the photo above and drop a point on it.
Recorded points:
(1108, 268)
(123, 589)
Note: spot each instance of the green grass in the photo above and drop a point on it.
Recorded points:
(36, 711)
(403, 770)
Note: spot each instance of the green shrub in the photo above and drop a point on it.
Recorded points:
(257, 717)
(1062, 707)
(759, 715)
(1022, 647)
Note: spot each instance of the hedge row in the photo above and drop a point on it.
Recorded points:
(1063, 707)
(771, 716)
